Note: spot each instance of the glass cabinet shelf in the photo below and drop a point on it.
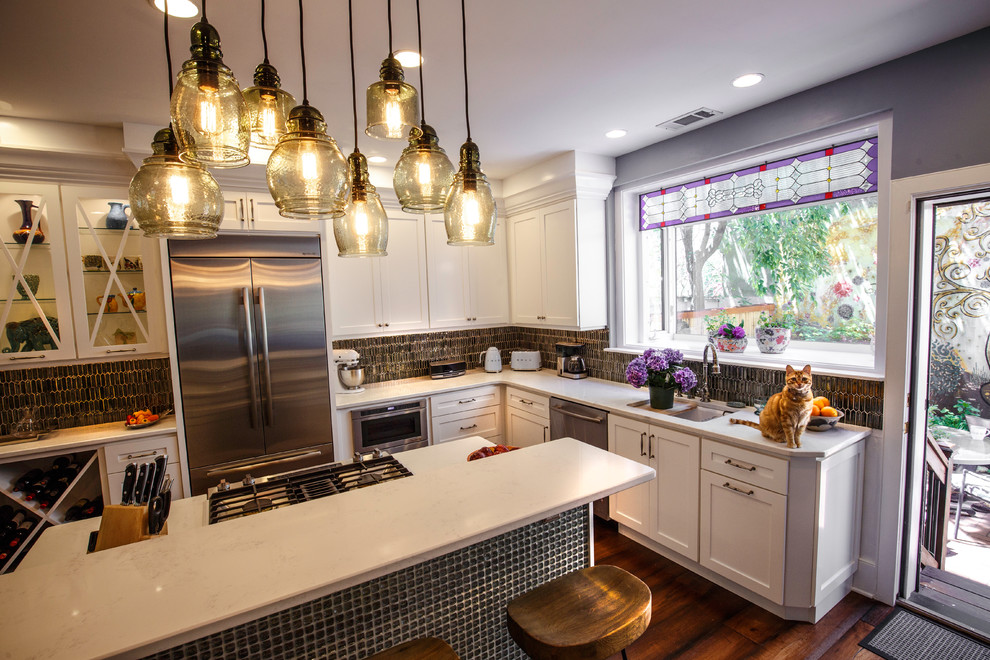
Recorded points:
(103, 231)
(119, 272)
(27, 300)
(126, 311)
(33, 245)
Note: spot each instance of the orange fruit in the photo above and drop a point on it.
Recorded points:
(829, 411)
(816, 411)
(821, 402)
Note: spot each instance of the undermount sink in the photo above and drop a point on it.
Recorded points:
(698, 414)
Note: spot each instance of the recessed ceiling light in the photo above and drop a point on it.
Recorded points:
(177, 8)
(377, 159)
(408, 58)
(617, 133)
(748, 80)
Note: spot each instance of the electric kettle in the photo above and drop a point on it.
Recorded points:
(492, 359)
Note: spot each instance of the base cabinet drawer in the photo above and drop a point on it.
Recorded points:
(536, 404)
(740, 464)
(742, 534)
(486, 422)
(461, 400)
(141, 450)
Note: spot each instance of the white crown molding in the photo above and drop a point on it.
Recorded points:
(571, 175)
(75, 168)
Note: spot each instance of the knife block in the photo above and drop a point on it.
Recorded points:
(122, 525)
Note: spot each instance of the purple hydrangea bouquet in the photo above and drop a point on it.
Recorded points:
(662, 370)
(730, 338)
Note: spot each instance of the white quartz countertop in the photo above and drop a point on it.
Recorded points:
(81, 437)
(615, 399)
(198, 579)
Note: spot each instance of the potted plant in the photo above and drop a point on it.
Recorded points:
(773, 332)
(663, 371)
(730, 338)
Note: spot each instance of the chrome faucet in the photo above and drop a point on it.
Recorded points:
(703, 390)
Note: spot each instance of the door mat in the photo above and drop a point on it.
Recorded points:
(904, 635)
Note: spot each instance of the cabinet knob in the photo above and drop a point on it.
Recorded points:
(386, 325)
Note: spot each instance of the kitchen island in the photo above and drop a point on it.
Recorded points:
(438, 553)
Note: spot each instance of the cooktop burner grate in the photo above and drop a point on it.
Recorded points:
(280, 490)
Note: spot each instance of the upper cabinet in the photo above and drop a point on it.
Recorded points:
(468, 285)
(114, 275)
(35, 310)
(383, 295)
(557, 265)
(256, 211)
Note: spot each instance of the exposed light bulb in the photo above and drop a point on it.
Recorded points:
(472, 212)
(308, 166)
(267, 118)
(209, 113)
(179, 187)
(393, 119)
(361, 219)
(424, 174)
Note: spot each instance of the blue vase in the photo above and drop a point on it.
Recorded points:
(116, 218)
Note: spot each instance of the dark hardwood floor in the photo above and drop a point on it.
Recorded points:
(694, 618)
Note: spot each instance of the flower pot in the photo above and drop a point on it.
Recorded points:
(772, 340)
(661, 398)
(727, 345)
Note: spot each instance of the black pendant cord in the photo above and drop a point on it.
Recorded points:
(264, 35)
(168, 52)
(203, 9)
(419, 45)
(467, 115)
(302, 53)
(390, 51)
(350, 32)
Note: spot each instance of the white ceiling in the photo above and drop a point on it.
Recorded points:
(546, 76)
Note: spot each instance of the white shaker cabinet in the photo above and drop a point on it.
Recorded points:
(256, 211)
(557, 265)
(527, 418)
(374, 295)
(468, 285)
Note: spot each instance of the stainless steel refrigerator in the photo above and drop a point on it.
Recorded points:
(252, 355)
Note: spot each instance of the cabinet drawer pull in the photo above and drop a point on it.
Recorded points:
(121, 350)
(468, 428)
(252, 209)
(466, 401)
(642, 443)
(27, 357)
(131, 457)
(651, 446)
(240, 204)
(738, 490)
(750, 468)
(527, 402)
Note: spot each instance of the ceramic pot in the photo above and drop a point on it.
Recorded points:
(661, 398)
(772, 340)
(116, 218)
(727, 345)
(21, 234)
(137, 298)
(33, 281)
(111, 304)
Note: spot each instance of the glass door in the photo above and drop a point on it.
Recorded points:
(34, 302)
(110, 263)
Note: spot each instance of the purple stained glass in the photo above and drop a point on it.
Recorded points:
(841, 171)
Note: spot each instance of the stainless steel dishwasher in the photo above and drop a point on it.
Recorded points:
(584, 423)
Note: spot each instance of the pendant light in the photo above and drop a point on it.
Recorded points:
(208, 111)
(424, 173)
(307, 174)
(171, 198)
(268, 105)
(469, 212)
(363, 229)
(392, 107)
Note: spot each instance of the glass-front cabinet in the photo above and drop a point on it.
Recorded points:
(113, 274)
(34, 293)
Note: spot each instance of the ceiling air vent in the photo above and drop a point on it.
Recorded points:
(693, 117)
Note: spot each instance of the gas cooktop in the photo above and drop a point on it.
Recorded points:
(228, 501)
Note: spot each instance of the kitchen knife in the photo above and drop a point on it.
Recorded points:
(156, 484)
(146, 493)
(156, 505)
(142, 476)
(166, 499)
(130, 475)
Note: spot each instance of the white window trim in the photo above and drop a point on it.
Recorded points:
(829, 359)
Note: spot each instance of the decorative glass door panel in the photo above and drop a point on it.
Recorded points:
(34, 303)
(108, 262)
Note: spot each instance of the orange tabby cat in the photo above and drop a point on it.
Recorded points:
(787, 412)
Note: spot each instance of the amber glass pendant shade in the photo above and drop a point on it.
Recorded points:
(423, 174)
(469, 214)
(393, 105)
(363, 229)
(307, 174)
(174, 199)
(209, 114)
(268, 107)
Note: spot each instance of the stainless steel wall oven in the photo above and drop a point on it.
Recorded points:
(393, 428)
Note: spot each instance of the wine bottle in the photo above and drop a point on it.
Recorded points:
(60, 462)
(75, 511)
(94, 508)
(27, 479)
(15, 521)
(22, 533)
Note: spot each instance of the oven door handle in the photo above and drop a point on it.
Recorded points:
(391, 413)
(252, 356)
(250, 464)
(263, 340)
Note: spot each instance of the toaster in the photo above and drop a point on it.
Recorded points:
(524, 360)
(447, 368)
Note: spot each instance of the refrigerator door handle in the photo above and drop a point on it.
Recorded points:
(263, 340)
(252, 358)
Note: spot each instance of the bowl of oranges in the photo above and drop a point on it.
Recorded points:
(823, 416)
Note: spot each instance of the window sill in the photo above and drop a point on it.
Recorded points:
(823, 361)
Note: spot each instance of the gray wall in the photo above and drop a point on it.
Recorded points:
(939, 97)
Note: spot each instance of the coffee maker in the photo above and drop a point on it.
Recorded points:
(570, 364)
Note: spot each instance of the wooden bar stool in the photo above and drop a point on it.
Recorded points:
(589, 614)
(428, 648)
